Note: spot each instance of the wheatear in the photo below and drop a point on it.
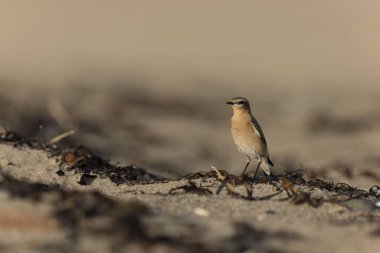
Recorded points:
(248, 136)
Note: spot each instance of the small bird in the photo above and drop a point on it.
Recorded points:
(248, 136)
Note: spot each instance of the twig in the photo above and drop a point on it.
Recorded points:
(220, 176)
(61, 136)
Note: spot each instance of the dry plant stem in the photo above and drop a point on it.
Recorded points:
(218, 173)
(61, 136)
(223, 179)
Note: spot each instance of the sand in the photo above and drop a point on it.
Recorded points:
(169, 215)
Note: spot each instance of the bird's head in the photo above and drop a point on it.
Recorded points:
(239, 104)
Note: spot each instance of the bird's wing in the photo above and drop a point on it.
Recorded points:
(258, 130)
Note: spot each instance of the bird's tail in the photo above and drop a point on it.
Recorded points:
(266, 165)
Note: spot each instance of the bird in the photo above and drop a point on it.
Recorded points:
(248, 135)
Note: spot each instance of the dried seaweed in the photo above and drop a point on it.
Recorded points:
(18, 140)
(87, 179)
(191, 188)
(292, 182)
(301, 198)
(374, 191)
(83, 161)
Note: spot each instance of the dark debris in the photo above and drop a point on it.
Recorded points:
(292, 183)
(18, 140)
(60, 173)
(374, 191)
(87, 179)
(191, 188)
(83, 161)
(301, 198)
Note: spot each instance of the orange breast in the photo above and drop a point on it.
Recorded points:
(245, 137)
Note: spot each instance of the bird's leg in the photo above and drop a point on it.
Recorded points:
(269, 177)
(257, 168)
(246, 166)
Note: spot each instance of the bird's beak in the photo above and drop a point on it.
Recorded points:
(229, 103)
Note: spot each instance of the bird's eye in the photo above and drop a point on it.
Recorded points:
(240, 102)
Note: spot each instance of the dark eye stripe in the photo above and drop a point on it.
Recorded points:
(240, 102)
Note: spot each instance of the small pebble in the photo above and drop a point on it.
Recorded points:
(201, 212)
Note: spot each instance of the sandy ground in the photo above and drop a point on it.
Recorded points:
(59, 214)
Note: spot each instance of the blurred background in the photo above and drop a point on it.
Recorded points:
(145, 82)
